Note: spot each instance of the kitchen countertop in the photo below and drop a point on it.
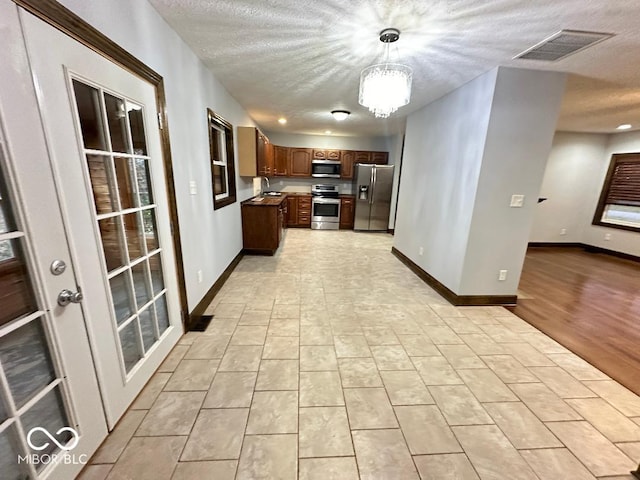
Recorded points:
(269, 201)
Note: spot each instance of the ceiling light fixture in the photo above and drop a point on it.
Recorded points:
(282, 120)
(327, 132)
(625, 126)
(385, 87)
(340, 115)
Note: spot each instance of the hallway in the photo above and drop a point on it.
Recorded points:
(332, 361)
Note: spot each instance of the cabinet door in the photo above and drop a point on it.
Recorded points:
(363, 157)
(281, 161)
(304, 211)
(346, 213)
(270, 166)
(292, 211)
(300, 165)
(261, 154)
(347, 161)
(380, 158)
(333, 154)
(319, 154)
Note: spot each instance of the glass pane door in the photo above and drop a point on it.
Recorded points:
(115, 148)
(32, 387)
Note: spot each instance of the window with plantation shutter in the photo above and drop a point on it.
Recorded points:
(619, 205)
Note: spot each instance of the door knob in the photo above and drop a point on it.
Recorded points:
(65, 297)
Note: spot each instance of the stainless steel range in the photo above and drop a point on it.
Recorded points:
(325, 207)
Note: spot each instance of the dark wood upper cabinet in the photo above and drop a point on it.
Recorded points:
(326, 154)
(347, 161)
(255, 153)
(380, 158)
(300, 162)
(281, 161)
(362, 157)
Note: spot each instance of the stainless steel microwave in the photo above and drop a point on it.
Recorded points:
(325, 168)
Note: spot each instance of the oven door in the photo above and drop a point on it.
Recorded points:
(325, 169)
(325, 210)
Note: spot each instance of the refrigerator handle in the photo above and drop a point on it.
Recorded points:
(373, 183)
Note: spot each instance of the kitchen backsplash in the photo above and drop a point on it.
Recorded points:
(302, 184)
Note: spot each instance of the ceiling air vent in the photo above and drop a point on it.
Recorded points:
(562, 44)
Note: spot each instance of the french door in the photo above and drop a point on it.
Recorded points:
(88, 292)
(102, 127)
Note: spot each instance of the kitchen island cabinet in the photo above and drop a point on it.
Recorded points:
(263, 223)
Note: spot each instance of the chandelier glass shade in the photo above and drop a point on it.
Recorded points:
(385, 87)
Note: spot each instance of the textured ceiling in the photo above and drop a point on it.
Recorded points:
(302, 58)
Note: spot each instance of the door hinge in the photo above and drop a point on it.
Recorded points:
(160, 124)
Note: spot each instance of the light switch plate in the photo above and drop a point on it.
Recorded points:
(517, 201)
(193, 187)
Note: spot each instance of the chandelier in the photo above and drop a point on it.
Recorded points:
(385, 87)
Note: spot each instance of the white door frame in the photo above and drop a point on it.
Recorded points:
(56, 58)
(30, 171)
(63, 19)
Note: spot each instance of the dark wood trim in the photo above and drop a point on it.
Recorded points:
(214, 118)
(199, 310)
(75, 27)
(588, 248)
(604, 193)
(449, 295)
(613, 253)
(391, 230)
(554, 244)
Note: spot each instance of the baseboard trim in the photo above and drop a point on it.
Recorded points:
(196, 315)
(613, 253)
(450, 296)
(588, 248)
(555, 244)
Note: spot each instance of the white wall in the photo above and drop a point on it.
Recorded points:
(571, 177)
(523, 117)
(376, 144)
(464, 156)
(444, 143)
(573, 181)
(210, 240)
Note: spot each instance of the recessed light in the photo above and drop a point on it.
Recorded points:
(282, 120)
(340, 115)
(327, 132)
(624, 126)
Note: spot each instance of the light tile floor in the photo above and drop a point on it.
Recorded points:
(332, 361)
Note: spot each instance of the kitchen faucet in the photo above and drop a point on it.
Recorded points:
(268, 186)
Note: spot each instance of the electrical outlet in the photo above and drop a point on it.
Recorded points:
(517, 201)
(421, 251)
(193, 187)
(502, 275)
(607, 236)
(563, 231)
(199, 276)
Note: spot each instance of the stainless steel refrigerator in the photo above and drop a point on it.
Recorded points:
(372, 186)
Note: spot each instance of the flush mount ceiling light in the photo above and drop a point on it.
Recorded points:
(327, 132)
(340, 115)
(625, 126)
(282, 120)
(385, 87)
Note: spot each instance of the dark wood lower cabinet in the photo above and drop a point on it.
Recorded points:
(347, 212)
(262, 226)
(299, 207)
